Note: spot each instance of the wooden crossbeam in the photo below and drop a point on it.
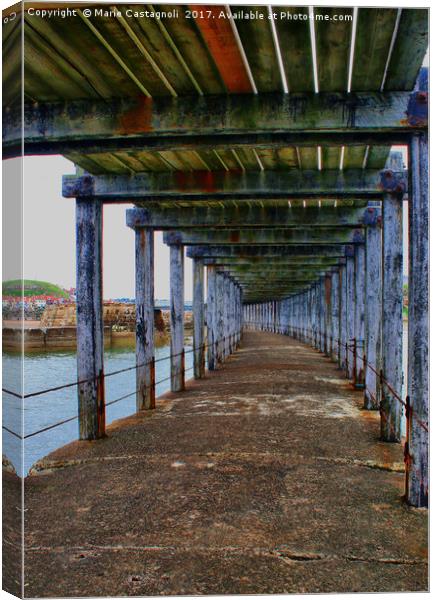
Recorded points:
(91, 126)
(272, 270)
(325, 235)
(208, 186)
(243, 216)
(266, 252)
(270, 262)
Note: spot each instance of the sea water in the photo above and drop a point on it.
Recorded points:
(44, 370)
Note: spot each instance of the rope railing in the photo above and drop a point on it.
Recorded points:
(202, 347)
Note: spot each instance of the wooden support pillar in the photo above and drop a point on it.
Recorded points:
(392, 319)
(177, 316)
(360, 284)
(343, 316)
(328, 314)
(227, 297)
(312, 315)
(322, 314)
(373, 311)
(335, 313)
(198, 319)
(231, 326)
(239, 313)
(211, 317)
(220, 331)
(316, 316)
(418, 366)
(145, 369)
(90, 342)
(350, 310)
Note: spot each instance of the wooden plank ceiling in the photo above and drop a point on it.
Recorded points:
(128, 56)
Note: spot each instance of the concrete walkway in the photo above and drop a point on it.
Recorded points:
(265, 477)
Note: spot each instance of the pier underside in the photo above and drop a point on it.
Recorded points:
(266, 476)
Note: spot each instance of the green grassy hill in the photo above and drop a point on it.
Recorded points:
(32, 288)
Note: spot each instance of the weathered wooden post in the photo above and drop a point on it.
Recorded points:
(392, 319)
(418, 367)
(316, 315)
(211, 317)
(350, 311)
(335, 313)
(373, 311)
(360, 285)
(220, 330)
(198, 319)
(239, 314)
(343, 315)
(231, 324)
(90, 341)
(313, 315)
(145, 369)
(226, 314)
(230, 316)
(176, 271)
(328, 314)
(322, 314)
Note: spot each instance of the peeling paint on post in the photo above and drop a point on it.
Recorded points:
(322, 314)
(312, 315)
(350, 310)
(90, 344)
(211, 317)
(198, 319)
(360, 284)
(418, 367)
(328, 314)
(373, 311)
(177, 317)
(392, 306)
(343, 317)
(220, 332)
(145, 379)
(335, 313)
(227, 333)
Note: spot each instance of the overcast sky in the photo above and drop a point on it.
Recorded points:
(49, 221)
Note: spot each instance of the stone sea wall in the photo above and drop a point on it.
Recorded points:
(57, 328)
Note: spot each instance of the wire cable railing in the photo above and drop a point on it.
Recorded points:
(152, 361)
(349, 346)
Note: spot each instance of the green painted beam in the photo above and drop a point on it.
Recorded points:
(325, 235)
(271, 276)
(265, 252)
(273, 262)
(92, 126)
(206, 185)
(243, 216)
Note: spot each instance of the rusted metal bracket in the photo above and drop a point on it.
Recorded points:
(393, 182)
(417, 112)
(372, 215)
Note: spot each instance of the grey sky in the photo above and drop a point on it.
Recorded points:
(49, 222)
(49, 235)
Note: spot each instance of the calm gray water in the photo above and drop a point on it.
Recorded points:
(44, 370)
